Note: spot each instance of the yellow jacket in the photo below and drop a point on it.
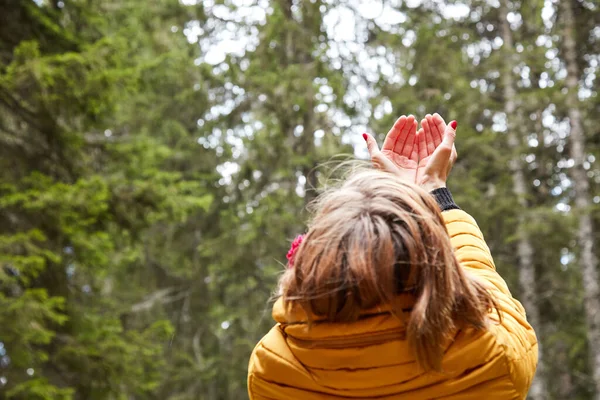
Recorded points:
(369, 359)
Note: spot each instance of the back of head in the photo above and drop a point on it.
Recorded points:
(372, 239)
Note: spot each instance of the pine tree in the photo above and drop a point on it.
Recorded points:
(86, 174)
(585, 232)
(525, 250)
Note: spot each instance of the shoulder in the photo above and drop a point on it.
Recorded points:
(264, 355)
(273, 369)
(271, 347)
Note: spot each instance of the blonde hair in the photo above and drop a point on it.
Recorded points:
(372, 239)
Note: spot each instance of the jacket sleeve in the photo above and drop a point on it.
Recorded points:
(513, 331)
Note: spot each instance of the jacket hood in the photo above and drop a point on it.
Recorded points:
(329, 351)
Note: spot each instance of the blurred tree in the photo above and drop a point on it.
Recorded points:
(158, 158)
(516, 133)
(273, 105)
(582, 199)
(87, 169)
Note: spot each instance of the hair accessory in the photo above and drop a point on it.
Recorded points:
(290, 254)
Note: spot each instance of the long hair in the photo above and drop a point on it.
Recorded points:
(376, 237)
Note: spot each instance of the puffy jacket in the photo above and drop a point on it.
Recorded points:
(370, 358)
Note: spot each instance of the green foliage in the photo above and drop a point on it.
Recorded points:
(26, 321)
(79, 202)
(39, 389)
(148, 193)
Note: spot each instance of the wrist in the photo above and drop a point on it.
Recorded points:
(430, 184)
(444, 199)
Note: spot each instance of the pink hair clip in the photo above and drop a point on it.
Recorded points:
(290, 254)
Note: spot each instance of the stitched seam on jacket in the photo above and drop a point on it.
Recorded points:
(312, 391)
(359, 368)
(288, 362)
(510, 378)
(250, 385)
(360, 318)
(510, 360)
(459, 232)
(460, 221)
(280, 385)
(525, 353)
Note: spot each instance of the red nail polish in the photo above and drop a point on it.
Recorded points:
(453, 124)
(365, 136)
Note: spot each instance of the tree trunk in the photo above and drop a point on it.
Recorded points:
(585, 234)
(525, 250)
(300, 55)
(565, 383)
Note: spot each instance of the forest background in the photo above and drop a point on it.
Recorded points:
(156, 158)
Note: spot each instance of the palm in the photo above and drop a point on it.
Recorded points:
(407, 168)
(400, 147)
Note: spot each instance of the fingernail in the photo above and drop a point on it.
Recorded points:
(365, 136)
(453, 124)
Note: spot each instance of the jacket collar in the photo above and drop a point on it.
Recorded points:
(293, 322)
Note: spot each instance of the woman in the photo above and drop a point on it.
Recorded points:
(393, 293)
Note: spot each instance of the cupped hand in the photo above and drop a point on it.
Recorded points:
(399, 154)
(437, 152)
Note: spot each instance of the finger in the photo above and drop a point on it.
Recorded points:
(406, 129)
(410, 141)
(425, 128)
(422, 144)
(371, 144)
(453, 157)
(445, 154)
(414, 156)
(449, 135)
(436, 133)
(379, 160)
(439, 161)
(425, 125)
(442, 156)
(394, 134)
(411, 149)
(440, 125)
(428, 137)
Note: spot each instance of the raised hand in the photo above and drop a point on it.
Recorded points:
(437, 153)
(399, 153)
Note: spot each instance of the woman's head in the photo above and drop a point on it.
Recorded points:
(372, 239)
